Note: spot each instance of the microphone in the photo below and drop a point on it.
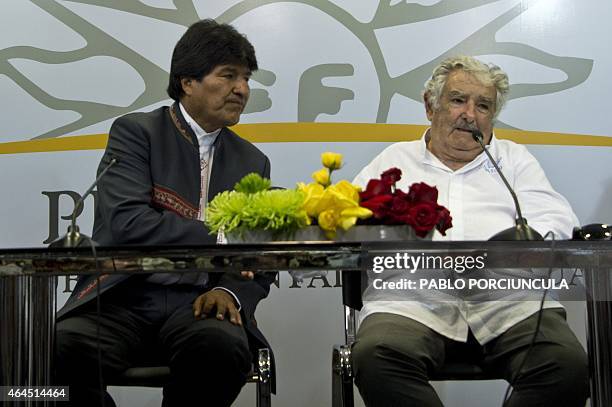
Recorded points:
(521, 231)
(73, 237)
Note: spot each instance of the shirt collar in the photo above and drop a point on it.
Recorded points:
(430, 159)
(205, 139)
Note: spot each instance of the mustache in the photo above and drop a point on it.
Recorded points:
(462, 125)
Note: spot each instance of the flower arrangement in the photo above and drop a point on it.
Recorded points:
(418, 207)
(254, 205)
(332, 206)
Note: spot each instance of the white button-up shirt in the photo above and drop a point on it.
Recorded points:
(480, 206)
(206, 142)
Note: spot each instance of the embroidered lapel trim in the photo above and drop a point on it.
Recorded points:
(179, 125)
(91, 286)
(168, 199)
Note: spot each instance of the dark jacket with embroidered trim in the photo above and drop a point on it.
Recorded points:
(151, 196)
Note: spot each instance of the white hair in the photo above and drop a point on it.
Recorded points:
(487, 74)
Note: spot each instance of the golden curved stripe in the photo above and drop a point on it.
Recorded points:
(314, 133)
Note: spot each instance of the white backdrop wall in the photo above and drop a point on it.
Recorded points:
(68, 68)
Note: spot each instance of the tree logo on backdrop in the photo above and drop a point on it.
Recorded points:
(322, 70)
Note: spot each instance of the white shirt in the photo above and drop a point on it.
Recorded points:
(480, 206)
(206, 142)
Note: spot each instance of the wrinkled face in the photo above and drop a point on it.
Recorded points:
(465, 104)
(219, 98)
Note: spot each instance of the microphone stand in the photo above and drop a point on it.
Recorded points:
(73, 237)
(522, 231)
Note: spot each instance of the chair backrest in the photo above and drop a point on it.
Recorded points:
(353, 285)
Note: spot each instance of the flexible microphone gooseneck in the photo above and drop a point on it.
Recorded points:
(521, 231)
(73, 237)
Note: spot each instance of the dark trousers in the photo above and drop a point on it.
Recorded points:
(394, 357)
(151, 324)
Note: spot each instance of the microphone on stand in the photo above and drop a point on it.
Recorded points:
(522, 231)
(73, 237)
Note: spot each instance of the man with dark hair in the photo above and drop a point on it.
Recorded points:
(171, 162)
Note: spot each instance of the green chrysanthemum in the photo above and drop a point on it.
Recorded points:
(226, 211)
(252, 183)
(279, 211)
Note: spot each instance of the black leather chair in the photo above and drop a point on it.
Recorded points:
(157, 376)
(353, 285)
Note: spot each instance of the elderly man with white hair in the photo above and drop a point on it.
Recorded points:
(400, 344)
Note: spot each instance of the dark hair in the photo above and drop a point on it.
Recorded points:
(205, 45)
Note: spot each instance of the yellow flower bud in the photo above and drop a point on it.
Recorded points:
(321, 177)
(333, 161)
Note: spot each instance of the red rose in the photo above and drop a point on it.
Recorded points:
(391, 176)
(398, 208)
(378, 205)
(404, 219)
(423, 217)
(445, 220)
(401, 194)
(392, 206)
(421, 192)
(399, 205)
(374, 188)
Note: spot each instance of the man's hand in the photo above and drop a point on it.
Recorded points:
(219, 301)
(247, 274)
